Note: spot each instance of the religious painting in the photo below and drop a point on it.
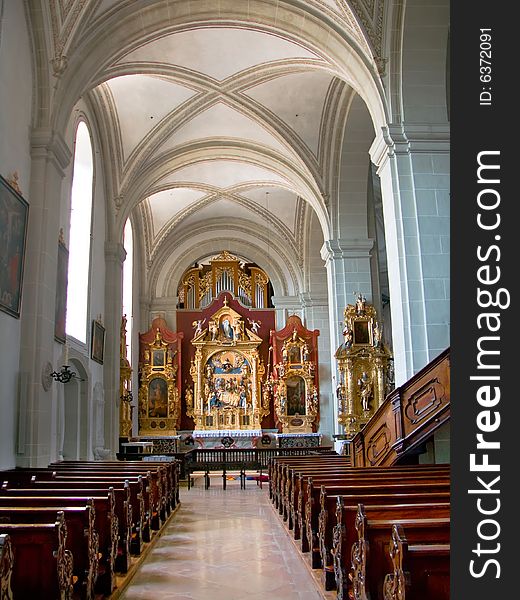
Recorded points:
(294, 355)
(158, 398)
(226, 327)
(13, 226)
(227, 382)
(60, 312)
(295, 395)
(97, 342)
(361, 332)
(158, 358)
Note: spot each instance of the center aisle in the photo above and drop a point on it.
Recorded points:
(223, 545)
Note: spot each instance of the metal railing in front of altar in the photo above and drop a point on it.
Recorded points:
(240, 459)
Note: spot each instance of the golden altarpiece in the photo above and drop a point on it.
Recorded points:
(125, 393)
(365, 367)
(159, 393)
(227, 373)
(294, 380)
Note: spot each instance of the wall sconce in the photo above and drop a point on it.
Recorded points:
(65, 375)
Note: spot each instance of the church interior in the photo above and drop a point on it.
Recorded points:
(224, 298)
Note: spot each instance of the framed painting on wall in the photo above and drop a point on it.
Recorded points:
(14, 211)
(97, 348)
(61, 293)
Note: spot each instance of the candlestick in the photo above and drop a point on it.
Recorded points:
(66, 354)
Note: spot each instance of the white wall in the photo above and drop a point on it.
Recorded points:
(15, 120)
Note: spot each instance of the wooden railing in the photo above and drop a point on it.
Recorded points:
(407, 418)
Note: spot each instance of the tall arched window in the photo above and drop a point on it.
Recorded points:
(127, 286)
(79, 244)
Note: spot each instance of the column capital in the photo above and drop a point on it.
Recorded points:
(289, 303)
(346, 248)
(115, 251)
(46, 141)
(311, 299)
(404, 138)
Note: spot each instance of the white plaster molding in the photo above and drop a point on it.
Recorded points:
(410, 138)
(48, 142)
(287, 302)
(346, 248)
(313, 299)
(115, 251)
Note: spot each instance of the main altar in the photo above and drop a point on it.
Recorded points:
(227, 373)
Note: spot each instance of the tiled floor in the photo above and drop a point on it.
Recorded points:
(223, 545)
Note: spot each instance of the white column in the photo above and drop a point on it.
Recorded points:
(286, 306)
(114, 258)
(49, 158)
(413, 164)
(348, 271)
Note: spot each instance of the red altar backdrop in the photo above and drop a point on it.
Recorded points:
(185, 319)
(173, 339)
(308, 335)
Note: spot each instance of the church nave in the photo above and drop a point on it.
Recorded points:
(223, 545)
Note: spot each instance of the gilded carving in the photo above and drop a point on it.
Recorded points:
(159, 401)
(364, 365)
(226, 373)
(294, 382)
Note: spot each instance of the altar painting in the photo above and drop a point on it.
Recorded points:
(228, 383)
(295, 395)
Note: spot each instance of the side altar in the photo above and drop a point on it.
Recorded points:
(227, 372)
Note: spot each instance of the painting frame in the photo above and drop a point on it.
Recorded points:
(97, 346)
(62, 276)
(362, 332)
(14, 215)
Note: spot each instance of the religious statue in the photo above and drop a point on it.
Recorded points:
(365, 391)
(188, 396)
(377, 334)
(237, 329)
(360, 304)
(227, 329)
(339, 394)
(197, 325)
(213, 329)
(305, 352)
(349, 337)
(285, 354)
(255, 325)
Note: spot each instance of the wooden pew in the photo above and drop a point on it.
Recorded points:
(309, 500)
(139, 496)
(168, 473)
(122, 511)
(286, 483)
(6, 566)
(345, 533)
(292, 490)
(82, 538)
(370, 558)
(106, 525)
(420, 572)
(277, 464)
(42, 566)
(328, 519)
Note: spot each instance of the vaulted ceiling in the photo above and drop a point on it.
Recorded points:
(217, 118)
